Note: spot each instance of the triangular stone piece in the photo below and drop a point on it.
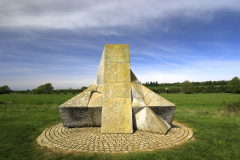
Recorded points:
(92, 88)
(145, 90)
(136, 90)
(79, 100)
(150, 95)
(137, 98)
(96, 100)
(160, 101)
(147, 120)
(99, 76)
(100, 89)
(134, 78)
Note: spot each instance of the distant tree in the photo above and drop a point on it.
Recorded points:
(187, 87)
(84, 87)
(173, 90)
(234, 85)
(46, 89)
(5, 90)
(28, 91)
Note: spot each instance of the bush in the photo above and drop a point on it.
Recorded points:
(231, 105)
(234, 85)
(187, 87)
(46, 89)
(5, 90)
(173, 90)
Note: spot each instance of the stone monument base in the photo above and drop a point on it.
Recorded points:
(90, 139)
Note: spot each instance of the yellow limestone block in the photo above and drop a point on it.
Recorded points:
(110, 53)
(117, 110)
(123, 55)
(123, 72)
(117, 53)
(110, 73)
(117, 115)
(117, 90)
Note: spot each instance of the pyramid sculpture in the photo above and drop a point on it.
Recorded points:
(117, 101)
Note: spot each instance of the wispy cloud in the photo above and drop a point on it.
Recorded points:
(94, 14)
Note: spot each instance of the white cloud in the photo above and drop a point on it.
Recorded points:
(96, 14)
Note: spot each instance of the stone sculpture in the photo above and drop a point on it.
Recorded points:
(117, 101)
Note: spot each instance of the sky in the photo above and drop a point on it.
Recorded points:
(61, 42)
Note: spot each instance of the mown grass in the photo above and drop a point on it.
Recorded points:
(216, 133)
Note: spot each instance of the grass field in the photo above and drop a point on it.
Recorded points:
(217, 134)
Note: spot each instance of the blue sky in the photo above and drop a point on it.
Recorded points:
(61, 42)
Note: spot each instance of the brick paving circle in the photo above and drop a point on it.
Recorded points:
(90, 139)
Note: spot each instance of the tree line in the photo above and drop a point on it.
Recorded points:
(42, 89)
(233, 86)
(222, 82)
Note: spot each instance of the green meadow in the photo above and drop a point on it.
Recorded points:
(216, 132)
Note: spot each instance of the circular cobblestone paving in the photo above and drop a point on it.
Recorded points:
(90, 139)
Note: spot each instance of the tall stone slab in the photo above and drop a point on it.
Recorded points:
(116, 110)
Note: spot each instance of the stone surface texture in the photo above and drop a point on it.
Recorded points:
(117, 102)
(90, 139)
(117, 111)
(147, 120)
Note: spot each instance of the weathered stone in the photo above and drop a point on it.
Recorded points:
(96, 100)
(134, 78)
(123, 72)
(92, 88)
(150, 95)
(110, 73)
(81, 99)
(135, 110)
(147, 120)
(117, 90)
(111, 53)
(100, 89)
(95, 116)
(166, 112)
(160, 101)
(123, 55)
(74, 116)
(99, 76)
(145, 90)
(139, 101)
(116, 115)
